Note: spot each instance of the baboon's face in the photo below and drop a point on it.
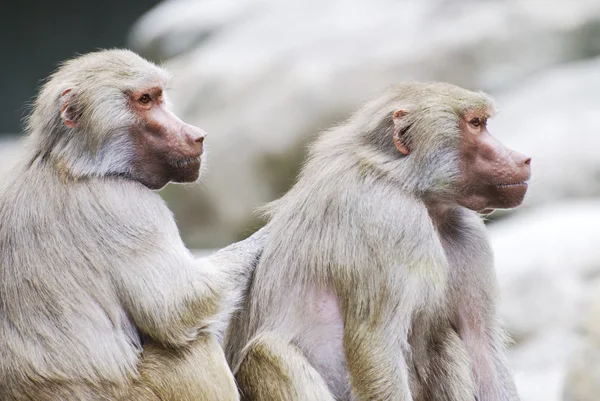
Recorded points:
(166, 148)
(493, 176)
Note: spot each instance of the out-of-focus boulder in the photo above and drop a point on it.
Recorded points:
(583, 379)
(548, 264)
(174, 27)
(263, 76)
(554, 118)
(10, 150)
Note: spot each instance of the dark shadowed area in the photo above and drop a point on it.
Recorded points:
(36, 35)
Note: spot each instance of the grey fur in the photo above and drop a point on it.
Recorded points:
(91, 262)
(375, 236)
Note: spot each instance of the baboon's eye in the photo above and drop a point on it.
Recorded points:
(145, 98)
(475, 122)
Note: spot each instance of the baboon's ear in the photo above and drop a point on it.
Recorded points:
(400, 128)
(67, 110)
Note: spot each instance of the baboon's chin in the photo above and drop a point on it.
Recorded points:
(187, 174)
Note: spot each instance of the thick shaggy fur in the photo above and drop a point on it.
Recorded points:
(99, 298)
(369, 288)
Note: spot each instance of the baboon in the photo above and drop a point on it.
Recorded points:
(377, 279)
(99, 297)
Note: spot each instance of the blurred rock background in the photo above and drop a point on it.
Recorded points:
(262, 77)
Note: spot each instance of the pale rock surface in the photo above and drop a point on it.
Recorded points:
(548, 264)
(583, 379)
(263, 76)
(10, 151)
(553, 118)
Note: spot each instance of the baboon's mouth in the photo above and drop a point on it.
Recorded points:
(512, 184)
(182, 163)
